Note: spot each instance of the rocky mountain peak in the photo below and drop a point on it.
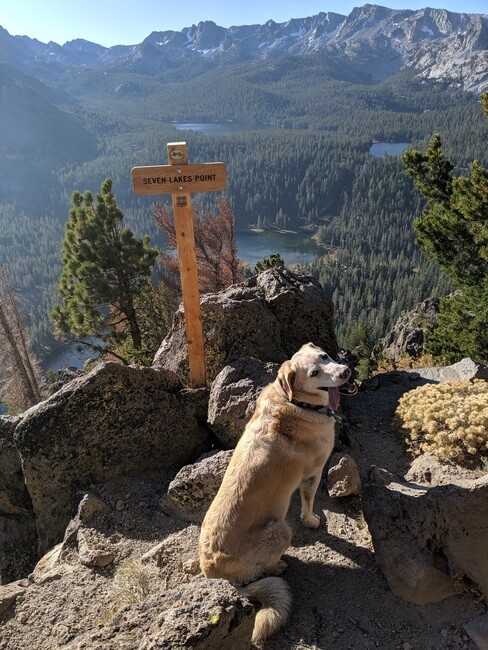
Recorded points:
(435, 44)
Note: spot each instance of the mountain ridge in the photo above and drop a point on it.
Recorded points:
(437, 44)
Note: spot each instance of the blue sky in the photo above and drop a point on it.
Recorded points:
(126, 22)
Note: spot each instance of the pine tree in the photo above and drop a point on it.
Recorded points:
(269, 262)
(453, 229)
(105, 268)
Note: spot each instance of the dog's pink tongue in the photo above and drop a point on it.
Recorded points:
(334, 398)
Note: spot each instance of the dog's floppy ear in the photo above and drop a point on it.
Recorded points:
(286, 379)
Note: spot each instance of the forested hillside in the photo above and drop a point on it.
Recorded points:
(307, 168)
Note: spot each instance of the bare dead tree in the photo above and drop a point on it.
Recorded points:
(215, 246)
(19, 373)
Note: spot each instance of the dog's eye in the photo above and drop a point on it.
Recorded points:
(313, 373)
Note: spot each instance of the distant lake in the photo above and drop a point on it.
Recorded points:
(221, 128)
(293, 247)
(68, 355)
(380, 149)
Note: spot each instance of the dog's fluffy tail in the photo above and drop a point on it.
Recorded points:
(275, 598)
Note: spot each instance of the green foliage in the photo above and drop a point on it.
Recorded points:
(453, 229)
(362, 343)
(155, 307)
(461, 327)
(269, 262)
(105, 269)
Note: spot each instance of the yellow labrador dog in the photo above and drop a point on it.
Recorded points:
(285, 446)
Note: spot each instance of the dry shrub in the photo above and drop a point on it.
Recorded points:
(406, 362)
(134, 581)
(448, 420)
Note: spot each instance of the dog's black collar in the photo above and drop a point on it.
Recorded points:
(325, 410)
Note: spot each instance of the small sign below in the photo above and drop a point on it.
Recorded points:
(174, 179)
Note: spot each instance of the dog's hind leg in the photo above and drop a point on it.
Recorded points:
(265, 551)
(308, 489)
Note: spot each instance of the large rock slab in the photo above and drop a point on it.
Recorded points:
(465, 369)
(18, 536)
(425, 537)
(14, 497)
(267, 317)
(204, 614)
(233, 397)
(115, 421)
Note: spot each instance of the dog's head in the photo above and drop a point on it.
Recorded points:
(312, 376)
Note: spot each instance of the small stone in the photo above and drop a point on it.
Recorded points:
(192, 566)
(89, 506)
(444, 633)
(23, 618)
(9, 594)
(96, 557)
(380, 476)
(48, 577)
(407, 646)
(154, 554)
(343, 476)
(120, 505)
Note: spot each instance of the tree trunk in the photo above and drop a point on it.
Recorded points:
(21, 343)
(29, 394)
(135, 332)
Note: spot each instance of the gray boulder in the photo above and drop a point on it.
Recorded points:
(18, 536)
(466, 369)
(233, 397)
(427, 470)
(193, 489)
(424, 538)
(407, 335)
(115, 421)
(267, 317)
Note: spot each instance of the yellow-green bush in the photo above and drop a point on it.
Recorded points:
(448, 420)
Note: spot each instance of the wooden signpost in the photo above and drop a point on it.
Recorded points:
(180, 179)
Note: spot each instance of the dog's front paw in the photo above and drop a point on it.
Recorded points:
(310, 521)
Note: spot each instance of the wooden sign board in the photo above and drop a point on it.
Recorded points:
(174, 179)
(180, 179)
